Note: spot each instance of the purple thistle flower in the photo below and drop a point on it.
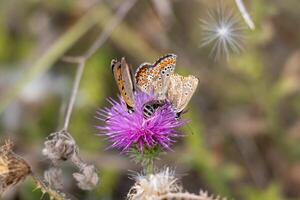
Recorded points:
(126, 130)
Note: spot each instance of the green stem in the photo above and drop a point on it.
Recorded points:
(149, 166)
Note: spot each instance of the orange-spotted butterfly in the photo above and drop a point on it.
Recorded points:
(123, 77)
(156, 77)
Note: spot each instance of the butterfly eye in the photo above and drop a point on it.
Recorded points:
(148, 106)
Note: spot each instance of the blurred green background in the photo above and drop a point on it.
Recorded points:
(243, 140)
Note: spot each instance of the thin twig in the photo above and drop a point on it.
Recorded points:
(245, 14)
(81, 60)
(187, 196)
(74, 93)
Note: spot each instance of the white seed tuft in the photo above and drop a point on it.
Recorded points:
(222, 29)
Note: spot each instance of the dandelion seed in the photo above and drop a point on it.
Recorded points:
(131, 130)
(222, 29)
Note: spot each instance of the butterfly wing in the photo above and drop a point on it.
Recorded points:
(156, 77)
(144, 77)
(123, 78)
(175, 90)
(166, 67)
(181, 91)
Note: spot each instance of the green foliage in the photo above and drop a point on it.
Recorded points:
(202, 159)
(29, 191)
(272, 192)
(109, 181)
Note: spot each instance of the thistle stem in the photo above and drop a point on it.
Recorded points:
(149, 166)
(79, 73)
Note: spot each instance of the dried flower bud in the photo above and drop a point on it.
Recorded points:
(53, 177)
(13, 168)
(59, 146)
(87, 179)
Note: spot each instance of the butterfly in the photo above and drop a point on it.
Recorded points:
(158, 78)
(123, 77)
(179, 93)
(181, 90)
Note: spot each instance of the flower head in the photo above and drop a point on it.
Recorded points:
(131, 129)
(223, 30)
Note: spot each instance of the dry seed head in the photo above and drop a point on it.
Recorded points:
(163, 186)
(60, 146)
(88, 178)
(13, 168)
(53, 177)
(153, 186)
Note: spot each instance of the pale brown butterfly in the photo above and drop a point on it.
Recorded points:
(181, 90)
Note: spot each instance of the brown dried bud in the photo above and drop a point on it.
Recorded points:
(59, 146)
(13, 168)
